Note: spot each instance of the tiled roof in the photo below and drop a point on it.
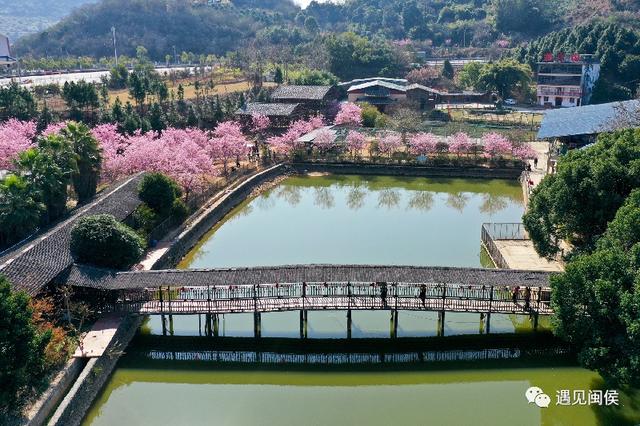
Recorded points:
(83, 276)
(312, 93)
(270, 110)
(34, 264)
(590, 119)
(398, 81)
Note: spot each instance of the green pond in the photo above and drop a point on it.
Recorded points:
(352, 220)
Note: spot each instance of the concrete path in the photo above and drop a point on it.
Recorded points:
(95, 342)
(520, 254)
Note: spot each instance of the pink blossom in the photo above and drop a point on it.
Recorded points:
(390, 144)
(15, 136)
(496, 145)
(113, 146)
(524, 152)
(229, 142)
(355, 141)
(503, 43)
(350, 114)
(260, 122)
(460, 143)
(54, 128)
(288, 142)
(423, 144)
(324, 140)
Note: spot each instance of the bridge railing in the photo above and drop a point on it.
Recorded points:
(336, 296)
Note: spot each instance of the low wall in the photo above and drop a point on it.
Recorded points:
(196, 228)
(95, 374)
(409, 170)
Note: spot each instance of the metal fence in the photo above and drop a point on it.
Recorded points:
(492, 232)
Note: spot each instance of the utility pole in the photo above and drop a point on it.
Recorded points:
(115, 48)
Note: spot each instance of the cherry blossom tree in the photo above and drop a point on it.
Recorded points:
(324, 140)
(423, 144)
(260, 123)
(288, 142)
(524, 152)
(350, 114)
(229, 142)
(54, 128)
(355, 141)
(496, 145)
(460, 144)
(15, 136)
(390, 144)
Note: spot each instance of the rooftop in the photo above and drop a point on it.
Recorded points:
(268, 109)
(311, 93)
(378, 83)
(590, 119)
(83, 276)
(35, 263)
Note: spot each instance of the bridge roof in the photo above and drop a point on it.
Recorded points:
(83, 276)
(35, 263)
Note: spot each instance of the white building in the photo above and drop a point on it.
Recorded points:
(566, 81)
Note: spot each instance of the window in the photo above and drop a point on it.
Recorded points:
(546, 99)
(571, 100)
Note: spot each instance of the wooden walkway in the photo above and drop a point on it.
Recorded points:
(336, 296)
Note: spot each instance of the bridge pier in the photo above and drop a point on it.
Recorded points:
(349, 324)
(535, 321)
(163, 320)
(257, 332)
(394, 323)
(441, 323)
(216, 325)
(303, 324)
(171, 325)
(488, 323)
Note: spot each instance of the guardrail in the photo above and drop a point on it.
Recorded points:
(492, 232)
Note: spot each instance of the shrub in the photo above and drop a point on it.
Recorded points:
(179, 211)
(370, 116)
(438, 115)
(159, 191)
(144, 218)
(103, 241)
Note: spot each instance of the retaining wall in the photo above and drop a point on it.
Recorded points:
(409, 170)
(95, 374)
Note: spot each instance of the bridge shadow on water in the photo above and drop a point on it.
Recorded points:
(498, 351)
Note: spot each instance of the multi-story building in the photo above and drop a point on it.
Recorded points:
(566, 81)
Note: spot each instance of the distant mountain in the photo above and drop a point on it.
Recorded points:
(22, 17)
(205, 26)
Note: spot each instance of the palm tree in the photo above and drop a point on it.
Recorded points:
(20, 209)
(89, 159)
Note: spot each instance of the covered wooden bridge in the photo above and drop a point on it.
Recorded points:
(306, 288)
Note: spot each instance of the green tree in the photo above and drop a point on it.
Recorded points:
(522, 16)
(278, 78)
(596, 300)
(447, 70)
(17, 102)
(21, 348)
(20, 210)
(118, 77)
(159, 191)
(80, 95)
(48, 169)
(88, 159)
(577, 202)
(102, 241)
(505, 77)
(469, 75)
(311, 25)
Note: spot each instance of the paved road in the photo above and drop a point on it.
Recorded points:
(91, 76)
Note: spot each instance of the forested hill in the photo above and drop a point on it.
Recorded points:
(218, 26)
(158, 25)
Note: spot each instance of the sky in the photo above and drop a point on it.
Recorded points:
(305, 3)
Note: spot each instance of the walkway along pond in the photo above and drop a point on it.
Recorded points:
(338, 219)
